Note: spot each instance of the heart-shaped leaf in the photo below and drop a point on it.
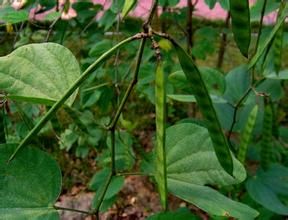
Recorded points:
(39, 73)
(29, 185)
(192, 159)
(266, 187)
(211, 201)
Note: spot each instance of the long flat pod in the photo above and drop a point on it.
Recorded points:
(246, 134)
(160, 104)
(203, 99)
(278, 42)
(266, 142)
(240, 16)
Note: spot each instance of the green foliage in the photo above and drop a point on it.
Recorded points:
(210, 200)
(30, 184)
(179, 214)
(128, 6)
(109, 113)
(56, 68)
(269, 188)
(11, 16)
(190, 153)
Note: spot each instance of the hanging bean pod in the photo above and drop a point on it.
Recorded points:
(246, 134)
(278, 42)
(266, 143)
(203, 99)
(240, 16)
(160, 105)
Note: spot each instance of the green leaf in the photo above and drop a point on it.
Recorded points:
(108, 19)
(211, 3)
(100, 47)
(272, 87)
(234, 91)
(192, 159)
(191, 98)
(39, 73)
(267, 187)
(204, 101)
(12, 16)
(128, 6)
(29, 185)
(124, 155)
(67, 139)
(179, 214)
(281, 75)
(99, 179)
(169, 3)
(211, 201)
(255, 10)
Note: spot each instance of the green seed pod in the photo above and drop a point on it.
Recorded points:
(240, 16)
(160, 105)
(246, 134)
(266, 143)
(203, 99)
(278, 42)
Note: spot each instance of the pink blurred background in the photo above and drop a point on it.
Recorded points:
(202, 10)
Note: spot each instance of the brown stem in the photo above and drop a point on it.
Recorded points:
(189, 26)
(223, 43)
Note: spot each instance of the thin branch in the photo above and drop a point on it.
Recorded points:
(102, 192)
(52, 26)
(73, 210)
(114, 121)
(133, 174)
(236, 108)
(223, 43)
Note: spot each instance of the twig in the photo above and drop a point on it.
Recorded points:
(223, 43)
(73, 210)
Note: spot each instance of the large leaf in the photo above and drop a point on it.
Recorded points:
(39, 73)
(211, 201)
(29, 185)
(234, 91)
(192, 159)
(11, 16)
(267, 188)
